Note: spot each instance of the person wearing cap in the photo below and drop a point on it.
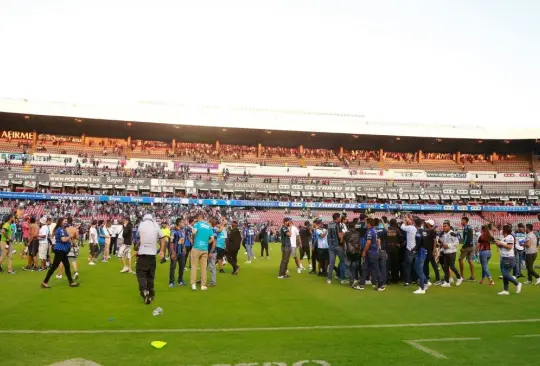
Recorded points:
(43, 237)
(285, 233)
(149, 236)
(234, 238)
(203, 243)
(431, 247)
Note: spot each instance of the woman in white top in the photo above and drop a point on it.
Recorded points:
(508, 259)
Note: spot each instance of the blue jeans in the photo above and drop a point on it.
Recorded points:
(485, 256)
(407, 264)
(353, 261)
(371, 265)
(419, 267)
(339, 252)
(249, 250)
(507, 263)
(519, 266)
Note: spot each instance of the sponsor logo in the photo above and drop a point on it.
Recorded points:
(446, 175)
(297, 187)
(17, 135)
(462, 191)
(448, 191)
(475, 192)
(476, 208)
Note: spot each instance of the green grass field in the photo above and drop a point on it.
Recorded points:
(256, 319)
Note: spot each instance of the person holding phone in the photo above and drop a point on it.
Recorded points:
(508, 260)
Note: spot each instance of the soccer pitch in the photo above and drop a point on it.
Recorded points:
(256, 319)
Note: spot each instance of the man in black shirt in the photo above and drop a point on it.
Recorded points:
(232, 246)
(285, 232)
(305, 238)
(335, 248)
(392, 240)
(430, 243)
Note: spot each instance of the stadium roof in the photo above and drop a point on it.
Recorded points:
(262, 119)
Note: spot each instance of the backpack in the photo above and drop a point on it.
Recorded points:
(353, 244)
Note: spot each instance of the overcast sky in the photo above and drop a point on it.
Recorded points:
(424, 61)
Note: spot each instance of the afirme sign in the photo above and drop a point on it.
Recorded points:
(17, 135)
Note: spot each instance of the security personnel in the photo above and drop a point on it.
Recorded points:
(149, 236)
(391, 241)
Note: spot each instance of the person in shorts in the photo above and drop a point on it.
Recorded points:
(467, 250)
(6, 241)
(43, 238)
(125, 241)
(32, 244)
(221, 239)
(73, 254)
(93, 242)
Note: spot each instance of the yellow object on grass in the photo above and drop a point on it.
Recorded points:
(158, 344)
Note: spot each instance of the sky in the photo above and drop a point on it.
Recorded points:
(459, 62)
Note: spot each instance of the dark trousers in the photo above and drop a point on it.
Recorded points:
(353, 260)
(529, 263)
(408, 262)
(314, 257)
(146, 273)
(383, 259)
(112, 247)
(188, 256)
(264, 246)
(181, 261)
(371, 266)
(59, 257)
(393, 262)
(430, 259)
(449, 263)
(285, 256)
(304, 250)
(232, 258)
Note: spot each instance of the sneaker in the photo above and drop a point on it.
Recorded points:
(248, 262)
(221, 271)
(181, 283)
(146, 297)
(194, 287)
(428, 285)
(406, 284)
(171, 285)
(481, 282)
(438, 283)
(355, 283)
(131, 272)
(537, 281)
(518, 288)
(254, 257)
(500, 277)
(368, 282)
(527, 283)
(451, 281)
(91, 264)
(59, 277)
(344, 282)
(124, 270)
(204, 288)
(419, 292)
(299, 270)
(459, 281)
(446, 285)
(506, 293)
(329, 282)
(76, 275)
(12, 272)
(312, 272)
(359, 287)
(491, 283)
(245, 253)
(381, 289)
(471, 279)
(281, 277)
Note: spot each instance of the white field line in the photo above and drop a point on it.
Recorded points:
(416, 344)
(527, 336)
(262, 329)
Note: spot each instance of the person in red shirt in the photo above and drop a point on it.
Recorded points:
(484, 249)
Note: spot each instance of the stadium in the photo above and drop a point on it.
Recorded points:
(333, 238)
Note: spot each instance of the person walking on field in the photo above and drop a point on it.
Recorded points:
(234, 239)
(203, 237)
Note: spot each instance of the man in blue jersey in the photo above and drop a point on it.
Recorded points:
(188, 241)
(370, 255)
(178, 253)
(249, 240)
(203, 243)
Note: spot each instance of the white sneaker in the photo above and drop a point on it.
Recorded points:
(194, 287)
(299, 270)
(59, 276)
(329, 282)
(451, 280)
(368, 282)
(130, 271)
(302, 268)
(518, 288)
(281, 277)
(419, 292)
(204, 288)
(537, 281)
(527, 283)
(245, 253)
(504, 293)
(428, 285)
(91, 264)
(124, 270)
(248, 262)
(459, 281)
(310, 267)
(76, 275)
(254, 257)
(344, 282)
(446, 284)
(355, 283)
(104, 261)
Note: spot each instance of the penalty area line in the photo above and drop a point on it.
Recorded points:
(263, 329)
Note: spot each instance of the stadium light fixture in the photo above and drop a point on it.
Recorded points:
(224, 129)
(480, 141)
(312, 134)
(26, 117)
(398, 138)
(128, 124)
(355, 136)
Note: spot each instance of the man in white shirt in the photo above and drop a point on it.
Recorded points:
(93, 242)
(410, 231)
(295, 242)
(149, 234)
(43, 237)
(449, 243)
